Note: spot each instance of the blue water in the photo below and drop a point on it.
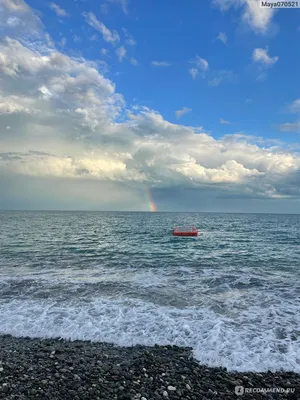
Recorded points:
(232, 293)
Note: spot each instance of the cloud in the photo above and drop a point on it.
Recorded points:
(294, 127)
(18, 19)
(261, 56)
(15, 6)
(290, 127)
(108, 35)
(62, 42)
(223, 76)
(222, 37)
(129, 38)
(70, 129)
(131, 42)
(16, 105)
(76, 38)
(133, 61)
(262, 77)
(295, 106)
(224, 122)
(93, 38)
(104, 52)
(184, 110)
(201, 65)
(121, 53)
(215, 81)
(259, 19)
(60, 12)
(160, 63)
(193, 72)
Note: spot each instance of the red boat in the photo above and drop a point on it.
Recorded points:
(185, 231)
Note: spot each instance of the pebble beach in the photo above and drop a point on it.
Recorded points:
(60, 369)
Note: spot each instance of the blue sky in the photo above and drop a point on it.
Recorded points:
(146, 77)
(173, 33)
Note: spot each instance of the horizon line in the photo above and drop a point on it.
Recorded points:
(151, 212)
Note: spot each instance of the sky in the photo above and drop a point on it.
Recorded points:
(149, 106)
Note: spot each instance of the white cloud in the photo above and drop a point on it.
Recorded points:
(224, 122)
(261, 56)
(223, 76)
(262, 77)
(129, 38)
(18, 18)
(104, 52)
(295, 106)
(45, 92)
(201, 63)
(133, 61)
(62, 42)
(290, 127)
(15, 5)
(160, 63)
(93, 38)
(64, 118)
(121, 53)
(193, 72)
(184, 110)
(76, 38)
(60, 12)
(215, 81)
(16, 105)
(222, 37)
(108, 35)
(259, 19)
(131, 42)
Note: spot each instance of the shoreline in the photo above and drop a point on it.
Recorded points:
(33, 368)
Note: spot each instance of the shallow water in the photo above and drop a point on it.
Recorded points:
(232, 293)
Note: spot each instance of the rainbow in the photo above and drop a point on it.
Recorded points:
(152, 205)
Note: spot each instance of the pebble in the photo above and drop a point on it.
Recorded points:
(137, 372)
(171, 388)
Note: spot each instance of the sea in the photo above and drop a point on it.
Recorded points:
(232, 293)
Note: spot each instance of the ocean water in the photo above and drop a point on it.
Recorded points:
(232, 293)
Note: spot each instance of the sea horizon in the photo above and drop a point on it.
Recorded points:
(151, 212)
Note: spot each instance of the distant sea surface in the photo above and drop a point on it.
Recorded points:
(232, 293)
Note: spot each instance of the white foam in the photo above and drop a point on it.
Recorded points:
(244, 341)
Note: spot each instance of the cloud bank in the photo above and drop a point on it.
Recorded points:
(61, 120)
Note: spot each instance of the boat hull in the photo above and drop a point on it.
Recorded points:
(185, 231)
